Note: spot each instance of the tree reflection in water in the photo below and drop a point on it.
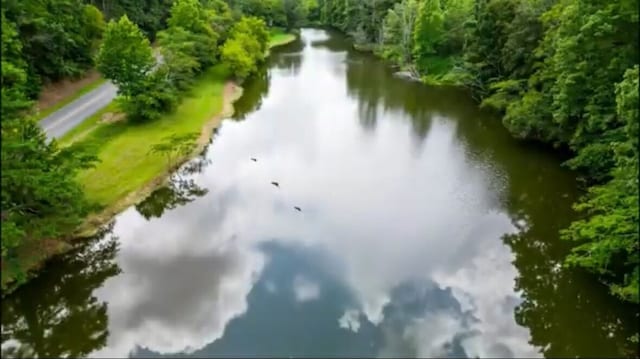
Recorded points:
(179, 191)
(564, 319)
(65, 319)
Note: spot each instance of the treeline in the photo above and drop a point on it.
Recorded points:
(41, 41)
(563, 72)
(48, 40)
(288, 14)
(191, 43)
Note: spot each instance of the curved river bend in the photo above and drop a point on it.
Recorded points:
(424, 230)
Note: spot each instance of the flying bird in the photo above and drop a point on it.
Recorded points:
(275, 184)
(298, 209)
(253, 159)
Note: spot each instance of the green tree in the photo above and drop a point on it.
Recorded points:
(221, 18)
(178, 49)
(149, 15)
(58, 38)
(246, 47)
(608, 237)
(155, 95)
(125, 56)
(237, 57)
(14, 72)
(40, 197)
(197, 21)
(428, 32)
(398, 29)
(295, 12)
(256, 29)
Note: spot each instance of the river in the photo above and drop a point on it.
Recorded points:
(423, 230)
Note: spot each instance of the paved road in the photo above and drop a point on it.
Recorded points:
(62, 121)
(71, 115)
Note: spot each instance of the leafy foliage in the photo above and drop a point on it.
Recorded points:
(563, 72)
(609, 235)
(155, 96)
(58, 38)
(288, 14)
(149, 15)
(125, 56)
(246, 46)
(40, 197)
(428, 32)
(398, 30)
(196, 20)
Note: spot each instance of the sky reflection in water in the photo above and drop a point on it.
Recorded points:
(408, 239)
(425, 230)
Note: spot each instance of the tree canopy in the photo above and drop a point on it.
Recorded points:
(562, 72)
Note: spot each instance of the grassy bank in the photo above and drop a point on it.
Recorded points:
(442, 70)
(127, 172)
(279, 37)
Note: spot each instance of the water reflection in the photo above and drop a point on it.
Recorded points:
(290, 59)
(568, 314)
(254, 91)
(425, 231)
(58, 314)
(179, 191)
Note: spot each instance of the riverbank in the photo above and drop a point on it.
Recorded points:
(443, 70)
(279, 37)
(127, 172)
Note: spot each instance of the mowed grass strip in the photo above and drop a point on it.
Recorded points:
(123, 148)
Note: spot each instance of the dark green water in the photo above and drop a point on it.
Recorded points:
(425, 230)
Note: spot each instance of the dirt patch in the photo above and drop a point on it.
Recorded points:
(111, 117)
(55, 92)
(230, 94)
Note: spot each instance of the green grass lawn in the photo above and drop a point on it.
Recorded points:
(42, 113)
(279, 37)
(123, 147)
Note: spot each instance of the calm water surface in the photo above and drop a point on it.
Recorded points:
(425, 230)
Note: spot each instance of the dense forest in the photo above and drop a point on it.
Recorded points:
(559, 72)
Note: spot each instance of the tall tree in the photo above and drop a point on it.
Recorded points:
(197, 21)
(246, 47)
(428, 32)
(125, 56)
(398, 29)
